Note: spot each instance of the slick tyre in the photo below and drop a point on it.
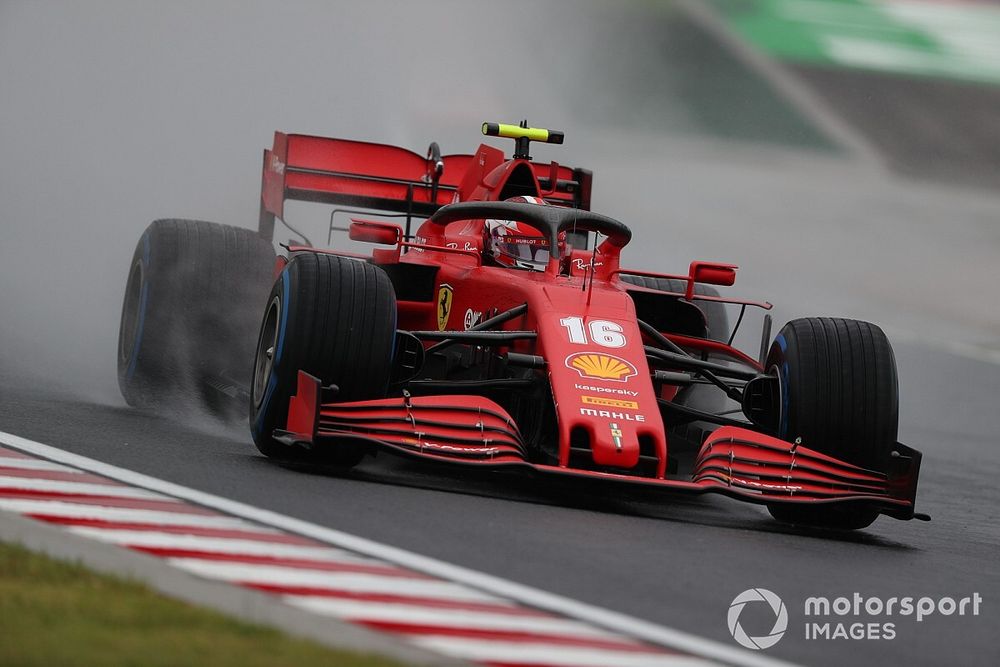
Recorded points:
(189, 315)
(839, 395)
(335, 319)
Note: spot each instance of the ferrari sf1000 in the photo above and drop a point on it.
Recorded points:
(503, 331)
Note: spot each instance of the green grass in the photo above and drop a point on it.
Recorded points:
(56, 613)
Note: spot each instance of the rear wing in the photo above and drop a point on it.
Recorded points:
(354, 173)
(387, 178)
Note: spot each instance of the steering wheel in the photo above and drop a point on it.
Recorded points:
(549, 220)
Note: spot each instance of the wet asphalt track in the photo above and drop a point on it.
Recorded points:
(818, 235)
(671, 560)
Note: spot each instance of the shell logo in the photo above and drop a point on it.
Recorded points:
(601, 366)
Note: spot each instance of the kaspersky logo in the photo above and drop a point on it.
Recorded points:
(597, 366)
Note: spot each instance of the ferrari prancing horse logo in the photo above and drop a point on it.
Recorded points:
(445, 296)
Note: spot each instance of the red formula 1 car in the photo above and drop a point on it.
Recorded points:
(505, 332)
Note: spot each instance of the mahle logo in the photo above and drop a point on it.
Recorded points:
(755, 595)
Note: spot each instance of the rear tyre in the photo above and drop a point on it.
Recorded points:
(839, 395)
(189, 314)
(716, 319)
(700, 397)
(333, 318)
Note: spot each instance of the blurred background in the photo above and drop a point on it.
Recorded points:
(844, 153)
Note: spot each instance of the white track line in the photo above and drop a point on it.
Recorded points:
(487, 650)
(219, 545)
(34, 464)
(360, 611)
(342, 581)
(68, 510)
(78, 488)
(628, 626)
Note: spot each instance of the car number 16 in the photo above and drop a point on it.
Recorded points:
(602, 332)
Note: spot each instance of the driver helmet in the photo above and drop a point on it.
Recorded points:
(517, 244)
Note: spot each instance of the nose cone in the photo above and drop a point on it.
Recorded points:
(604, 397)
(614, 437)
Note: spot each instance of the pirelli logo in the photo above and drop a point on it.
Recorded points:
(609, 402)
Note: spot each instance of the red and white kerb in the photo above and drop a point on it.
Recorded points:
(446, 617)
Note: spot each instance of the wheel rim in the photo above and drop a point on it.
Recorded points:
(774, 370)
(264, 359)
(130, 314)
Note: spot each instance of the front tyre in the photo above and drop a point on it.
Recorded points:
(839, 395)
(333, 318)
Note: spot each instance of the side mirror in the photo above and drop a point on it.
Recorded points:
(710, 273)
(372, 231)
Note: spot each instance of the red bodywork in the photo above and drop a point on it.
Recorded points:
(580, 326)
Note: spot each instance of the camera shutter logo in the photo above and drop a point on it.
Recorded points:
(780, 619)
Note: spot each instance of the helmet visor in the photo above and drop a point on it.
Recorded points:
(528, 249)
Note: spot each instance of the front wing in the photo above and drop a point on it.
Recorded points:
(474, 430)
